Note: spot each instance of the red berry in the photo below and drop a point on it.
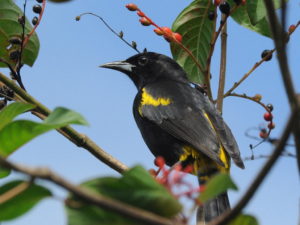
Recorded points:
(158, 31)
(292, 28)
(243, 2)
(132, 7)
(144, 21)
(159, 161)
(140, 14)
(268, 116)
(167, 31)
(271, 125)
(177, 37)
(263, 134)
(217, 2)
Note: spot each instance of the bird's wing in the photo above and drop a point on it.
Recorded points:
(185, 113)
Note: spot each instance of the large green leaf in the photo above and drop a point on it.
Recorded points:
(11, 111)
(9, 28)
(217, 185)
(253, 15)
(197, 31)
(244, 219)
(137, 188)
(23, 202)
(19, 132)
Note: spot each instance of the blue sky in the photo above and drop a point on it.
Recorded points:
(66, 74)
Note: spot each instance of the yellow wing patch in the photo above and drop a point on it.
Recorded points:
(148, 99)
(222, 154)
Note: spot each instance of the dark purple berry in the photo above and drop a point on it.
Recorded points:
(270, 107)
(211, 15)
(37, 9)
(265, 53)
(225, 8)
(35, 20)
(15, 40)
(14, 55)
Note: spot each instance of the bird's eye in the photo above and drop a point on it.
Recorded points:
(143, 61)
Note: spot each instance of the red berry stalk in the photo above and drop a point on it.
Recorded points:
(37, 23)
(166, 32)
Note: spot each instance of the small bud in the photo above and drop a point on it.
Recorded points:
(37, 9)
(121, 34)
(158, 31)
(39, 1)
(132, 7)
(77, 18)
(133, 44)
(265, 53)
(144, 21)
(257, 97)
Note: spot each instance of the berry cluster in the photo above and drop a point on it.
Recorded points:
(268, 116)
(166, 32)
(174, 178)
(37, 9)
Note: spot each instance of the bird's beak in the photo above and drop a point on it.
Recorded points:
(121, 66)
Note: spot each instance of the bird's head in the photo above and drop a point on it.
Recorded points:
(149, 67)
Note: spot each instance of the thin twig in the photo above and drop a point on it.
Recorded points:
(96, 199)
(222, 67)
(279, 37)
(79, 139)
(257, 64)
(110, 28)
(229, 215)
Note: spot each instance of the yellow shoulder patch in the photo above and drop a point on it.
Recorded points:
(148, 99)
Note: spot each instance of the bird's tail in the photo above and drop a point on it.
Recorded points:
(212, 209)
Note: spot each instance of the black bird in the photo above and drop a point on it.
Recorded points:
(179, 123)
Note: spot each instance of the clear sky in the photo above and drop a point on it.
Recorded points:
(66, 74)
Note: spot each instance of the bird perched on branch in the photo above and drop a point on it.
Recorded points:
(179, 123)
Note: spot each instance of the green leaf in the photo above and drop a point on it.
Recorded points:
(19, 132)
(244, 219)
(4, 172)
(11, 111)
(197, 32)
(217, 185)
(253, 15)
(137, 188)
(65, 116)
(23, 202)
(9, 28)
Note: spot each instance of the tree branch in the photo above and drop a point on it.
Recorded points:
(279, 37)
(229, 215)
(222, 67)
(104, 202)
(79, 139)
